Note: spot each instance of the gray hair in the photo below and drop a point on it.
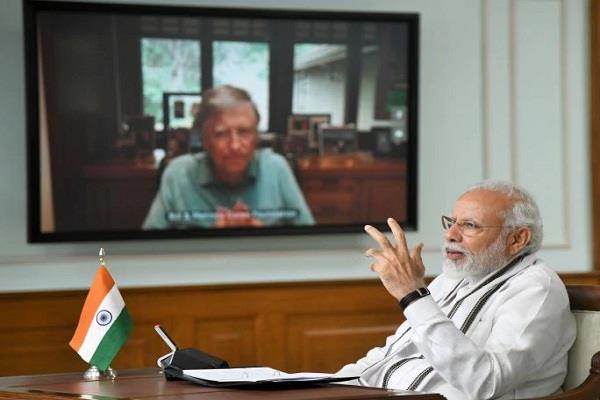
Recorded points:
(219, 99)
(524, 212)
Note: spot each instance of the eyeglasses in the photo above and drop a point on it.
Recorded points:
(226, 136)
(467, 228)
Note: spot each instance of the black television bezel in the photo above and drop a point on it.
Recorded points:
(30, 29)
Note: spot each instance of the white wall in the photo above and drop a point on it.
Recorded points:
(503, 93)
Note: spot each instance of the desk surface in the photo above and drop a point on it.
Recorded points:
(150, 384)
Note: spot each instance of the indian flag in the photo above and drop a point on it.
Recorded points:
(104, 324)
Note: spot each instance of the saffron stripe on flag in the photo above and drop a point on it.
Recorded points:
(113, 340)
(114, 304)
(101, 285)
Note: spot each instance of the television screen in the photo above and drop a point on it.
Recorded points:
(167, 122)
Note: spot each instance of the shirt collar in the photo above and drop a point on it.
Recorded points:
(206, 170)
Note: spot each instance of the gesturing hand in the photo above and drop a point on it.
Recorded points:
(399, 271)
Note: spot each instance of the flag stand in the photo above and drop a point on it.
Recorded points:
(94, 374)
(103, 327)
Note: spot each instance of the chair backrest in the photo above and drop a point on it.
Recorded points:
(585, 305)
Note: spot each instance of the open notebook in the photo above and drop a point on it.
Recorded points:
(257, 376)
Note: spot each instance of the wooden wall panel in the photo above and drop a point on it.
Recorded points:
(325, 342)
(233, 340)
(245, 324)
(142, 348)
(315, 326)
(21, 346)
(35, 330)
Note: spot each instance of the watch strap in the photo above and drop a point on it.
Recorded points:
(413, 296)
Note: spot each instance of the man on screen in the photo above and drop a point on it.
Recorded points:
(495, 324)
(231, 183)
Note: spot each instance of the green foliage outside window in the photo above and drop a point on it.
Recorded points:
(168, 65)
(245, 65)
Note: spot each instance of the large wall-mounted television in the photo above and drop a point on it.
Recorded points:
(154, 121)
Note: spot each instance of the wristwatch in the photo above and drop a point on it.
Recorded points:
(413, 296)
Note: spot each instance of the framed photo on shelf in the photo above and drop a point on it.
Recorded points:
(337, 139)
(307, 125)
(178, 109)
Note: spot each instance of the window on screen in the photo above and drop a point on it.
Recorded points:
(320, 80)
(168, 65)
(228, 56)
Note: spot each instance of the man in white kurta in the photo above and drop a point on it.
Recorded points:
(495, 324)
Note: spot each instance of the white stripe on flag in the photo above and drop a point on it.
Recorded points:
(113, 303)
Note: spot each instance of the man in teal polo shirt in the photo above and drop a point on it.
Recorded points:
(231, 183)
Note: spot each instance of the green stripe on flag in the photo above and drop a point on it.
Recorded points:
(112, 341)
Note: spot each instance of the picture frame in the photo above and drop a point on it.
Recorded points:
(178, 109)
(337, 139)
(307, 125)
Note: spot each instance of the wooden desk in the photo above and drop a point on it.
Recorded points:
(149, 383)
(118, 195)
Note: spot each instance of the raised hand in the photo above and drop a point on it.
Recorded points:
(400, 272)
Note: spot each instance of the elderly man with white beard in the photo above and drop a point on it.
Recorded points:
(495, 324)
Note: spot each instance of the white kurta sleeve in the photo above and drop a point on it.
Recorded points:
(373, 356)
(377, 354)
(530, 324)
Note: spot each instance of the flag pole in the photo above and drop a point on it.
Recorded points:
(93, 373)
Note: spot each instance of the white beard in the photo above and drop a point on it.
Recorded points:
(475, 264)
